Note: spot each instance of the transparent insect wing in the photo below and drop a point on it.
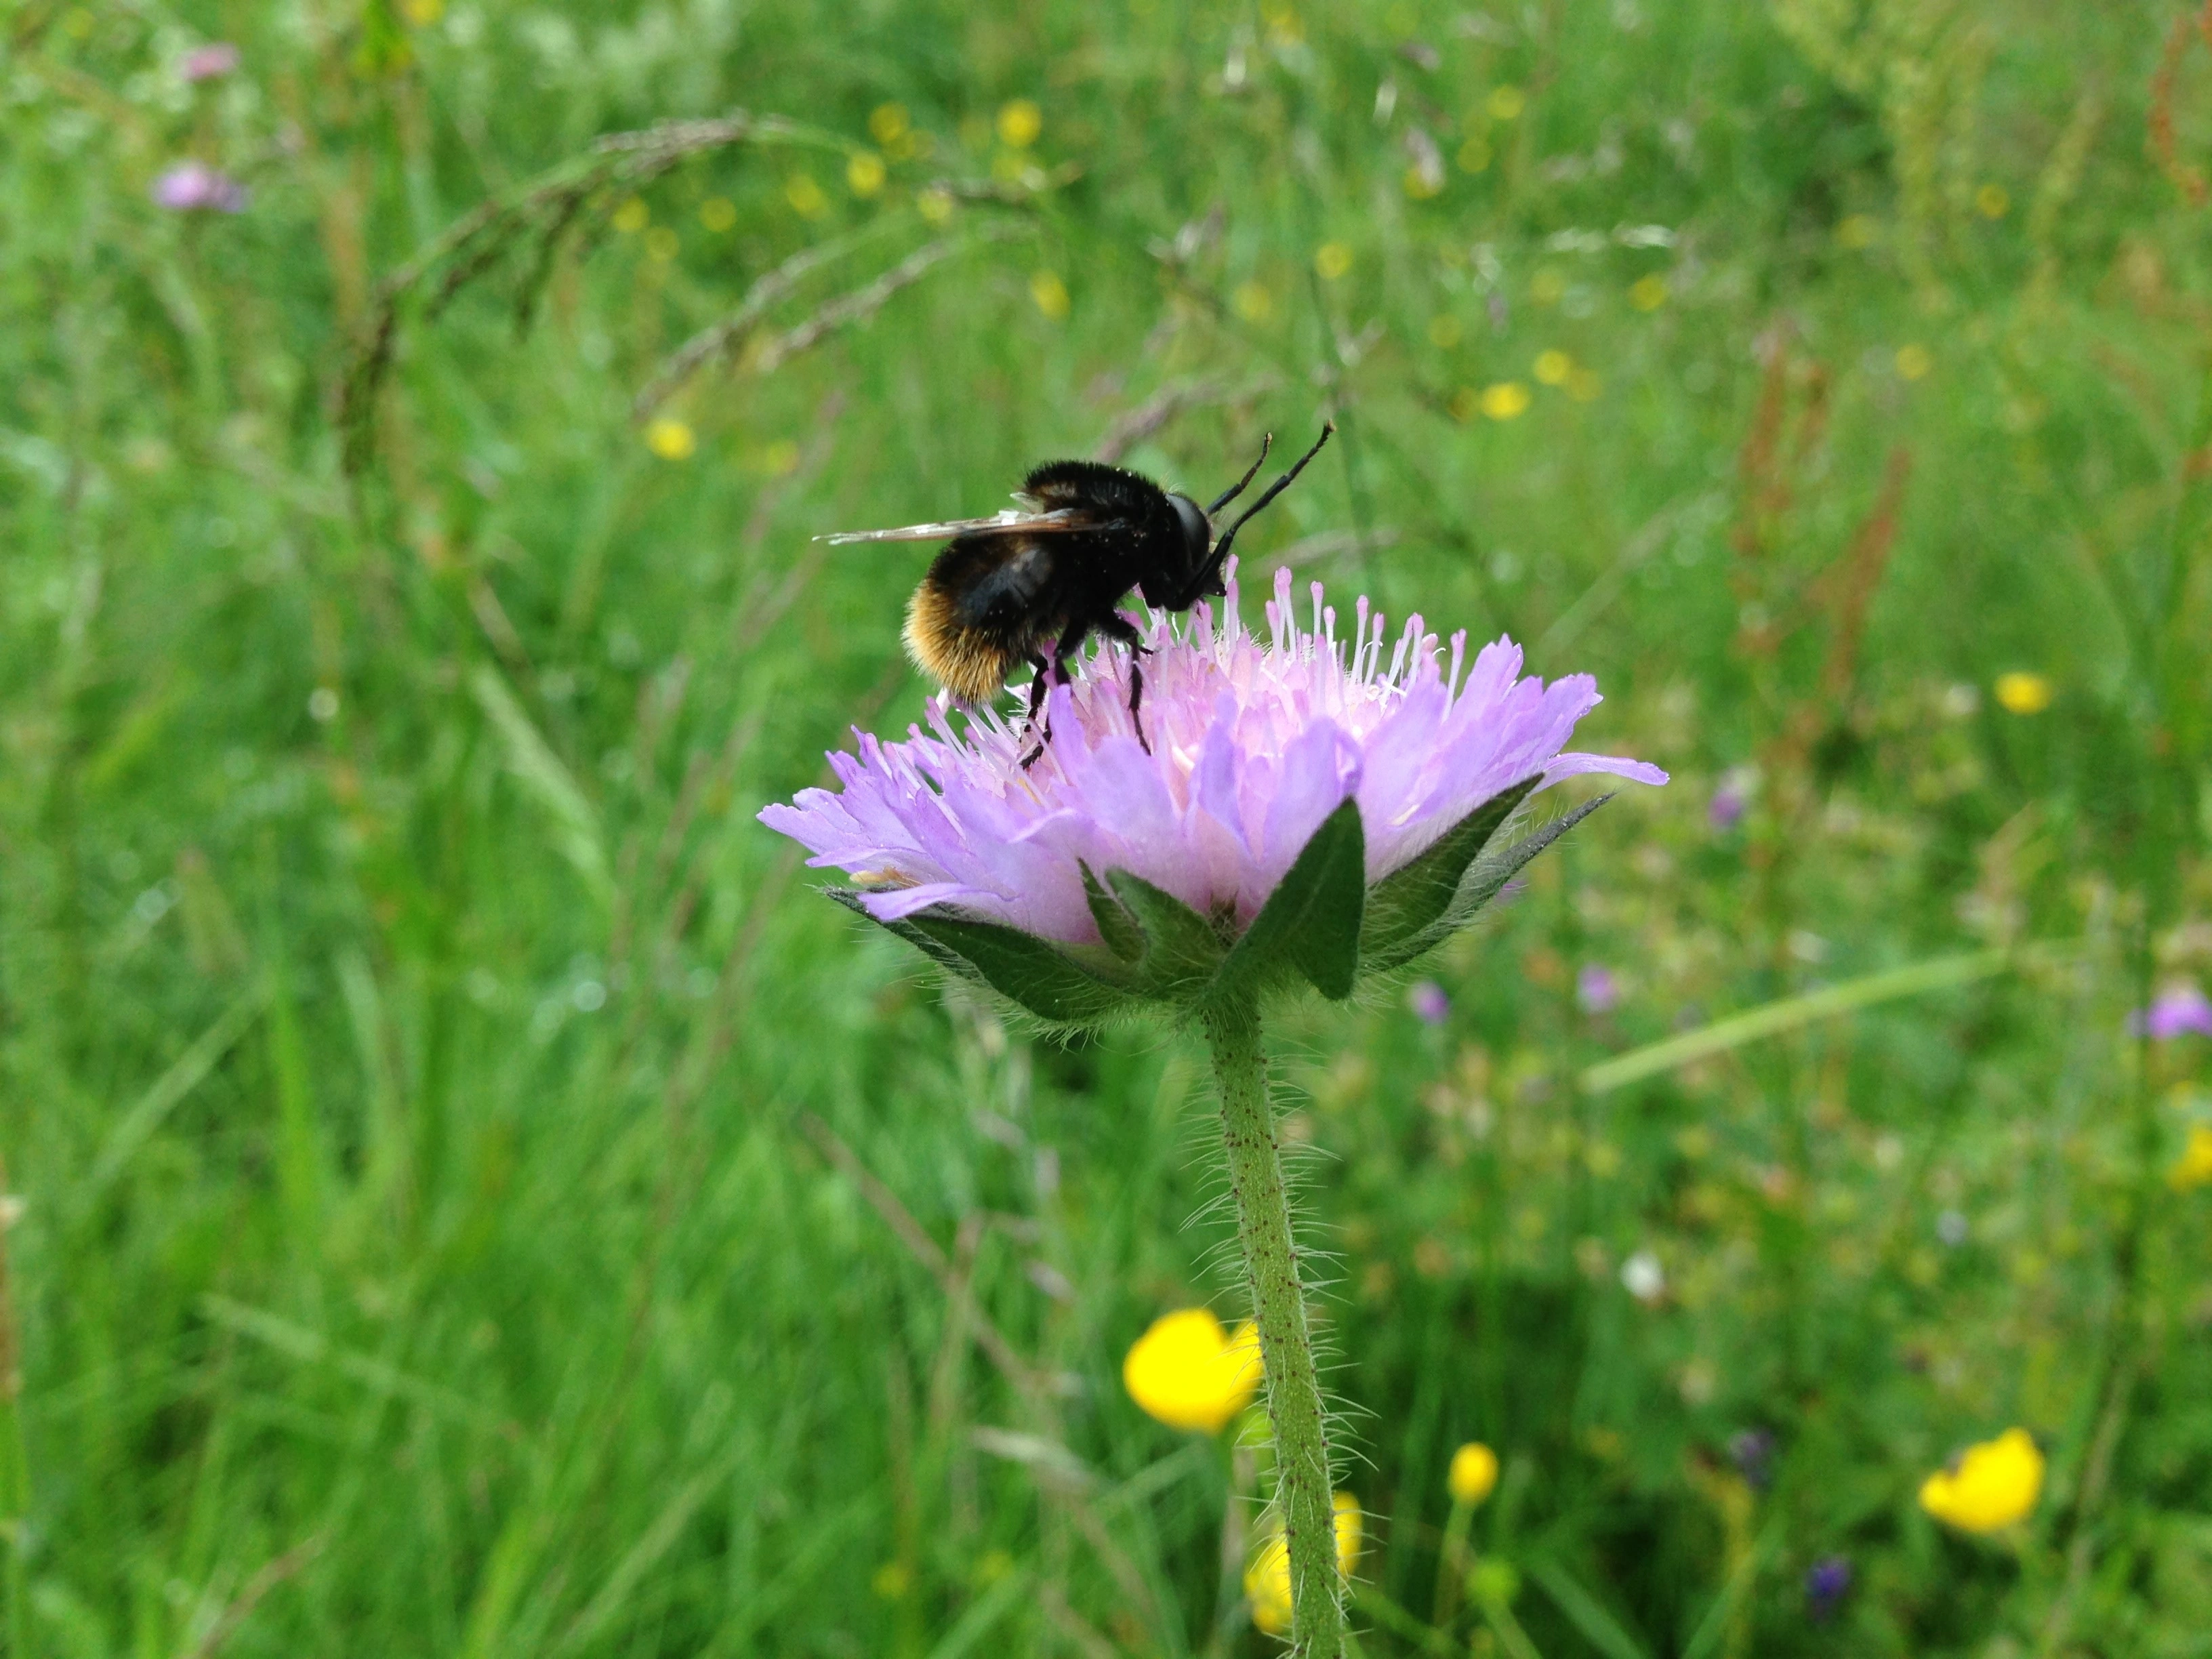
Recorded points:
(1010, 522)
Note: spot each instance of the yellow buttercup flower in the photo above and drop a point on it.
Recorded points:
(670, 439)
(1474, 1473)
(1189, 1373)
(2194, 1167)
(864, 174)
(1050, 293)
(1504, 400)
(1332, 260)
(1267, 1580)
(2023, 694)
(1554, 366)
(1019, 123)
(1647, 293)
(1989, 1487)
(1253, 302)
(806, 195)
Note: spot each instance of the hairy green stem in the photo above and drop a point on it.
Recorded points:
(1303, 1491)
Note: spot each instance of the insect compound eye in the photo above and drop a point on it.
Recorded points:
(1197, 533)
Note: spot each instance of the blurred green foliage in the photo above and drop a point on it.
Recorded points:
(458, 1158)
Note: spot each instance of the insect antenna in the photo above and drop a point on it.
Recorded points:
(1267, 442)
(1221, 548)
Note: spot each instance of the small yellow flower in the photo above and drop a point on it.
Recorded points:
(1992, 201)
(1914, 360)
(1856, 230)
(1332, 260)
(2194, 1167)
(934, 205)
(1253, 301)
(1019, 123)
(1504, 400)
(1506, 103)
(1050, 293)
(1189, 1373)
(422, 13)
(865, 173)
(806, 195)
(670, 439)
(1474, 1473)
(1647, 293)
(663, 244)
(1445, 331)
(2020, 693)
(1474, 156)
(1554, 366)
(1267, 1580)
(1989, 1487)
(891, 1581)
(632, 216)
(718, 214)
(888, 123)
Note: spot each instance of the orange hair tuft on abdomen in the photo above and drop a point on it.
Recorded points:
(971, 666)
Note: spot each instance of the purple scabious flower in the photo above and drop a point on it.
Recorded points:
(2176, 1011)
(1431, 1005)
(1752, 1451)
(209, 62)
(1596, 991)
(1827, 1581)
(1255, 742)
(195, 187)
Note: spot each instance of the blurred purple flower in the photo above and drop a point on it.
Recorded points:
(1826, 1582)
(1427, 1000)
(1729, 802)
(195, 187)
(2175, 1011)
(1596, 991)
(1752, 1454)
(1254, 742)
(208, 63)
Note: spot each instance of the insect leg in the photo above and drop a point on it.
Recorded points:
(1121, 631)
(1039, 684)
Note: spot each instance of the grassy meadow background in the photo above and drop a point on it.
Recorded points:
(471, 1198)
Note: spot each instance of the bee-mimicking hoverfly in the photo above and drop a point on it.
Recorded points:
(1013, 588)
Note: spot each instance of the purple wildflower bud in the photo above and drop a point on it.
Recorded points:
(195, 187)
(1596, 991)
(2174, 1011)
(209, 62)
(1827, 1582)
(1752, 1454)
(1428, 1002)
(1726, 809)
(1254, 741)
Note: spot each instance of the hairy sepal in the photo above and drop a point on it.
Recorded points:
(1487, 864)
(1310, 925)
(1035, 975)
